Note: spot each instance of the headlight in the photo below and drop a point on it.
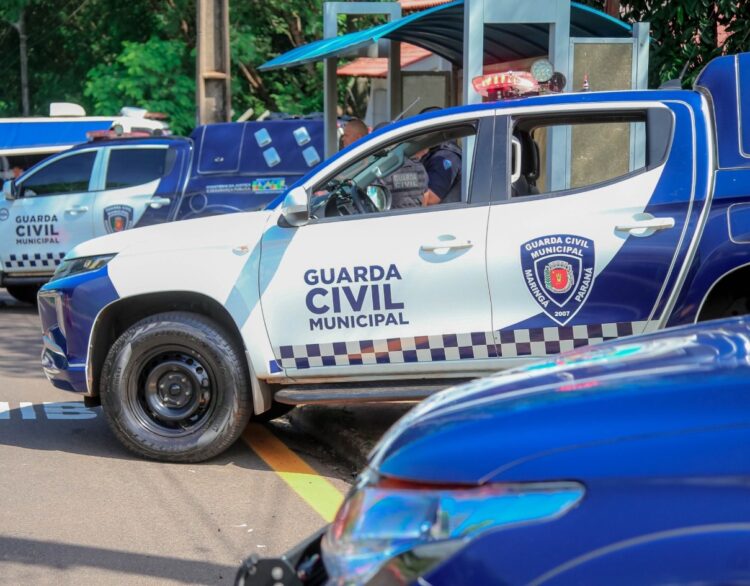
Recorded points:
(402, 531)
(83, 264)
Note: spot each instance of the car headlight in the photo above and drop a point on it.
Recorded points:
(83, 264)
(398, 531)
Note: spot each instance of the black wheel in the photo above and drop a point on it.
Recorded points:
(174, 388)
(24, 293)
(277, 410)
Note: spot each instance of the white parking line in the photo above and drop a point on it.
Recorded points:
(27, 411)
(68, 411)
(53, 411)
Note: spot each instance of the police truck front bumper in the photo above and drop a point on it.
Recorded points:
(68, 308)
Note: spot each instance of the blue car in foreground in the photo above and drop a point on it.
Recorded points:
(624, 463)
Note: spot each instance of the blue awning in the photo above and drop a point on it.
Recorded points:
(17, 136)
(441, 29)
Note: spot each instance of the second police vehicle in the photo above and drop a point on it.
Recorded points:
(186, 330)
(111, 184)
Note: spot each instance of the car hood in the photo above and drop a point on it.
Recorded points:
(223, 230)
(622, 408)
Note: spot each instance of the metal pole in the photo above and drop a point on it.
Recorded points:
(213, 79)
(395, 92)
(474, 15)
(20, 26)
(330, 79)
(558, 138)
(640, 82)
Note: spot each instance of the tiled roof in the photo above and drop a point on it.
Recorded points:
(378, 66)
(414, 5)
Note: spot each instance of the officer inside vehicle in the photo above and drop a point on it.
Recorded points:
(443, 166)
(354, 129)
(408, 184)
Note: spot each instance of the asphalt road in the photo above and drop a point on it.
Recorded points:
(77, 508)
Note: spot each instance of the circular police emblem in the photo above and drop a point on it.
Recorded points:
(4, 214)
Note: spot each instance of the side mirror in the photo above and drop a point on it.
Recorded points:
(295, 207)
(380, 197)
(10, 191)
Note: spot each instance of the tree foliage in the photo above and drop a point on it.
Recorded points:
(104, 55)
(151, 74)
(688, 32)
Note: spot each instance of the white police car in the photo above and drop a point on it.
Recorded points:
(186, 329)
(90, 190)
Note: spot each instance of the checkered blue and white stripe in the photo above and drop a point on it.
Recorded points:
(38, 260)
(503, 344)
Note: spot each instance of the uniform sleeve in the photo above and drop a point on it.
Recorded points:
(442, 170)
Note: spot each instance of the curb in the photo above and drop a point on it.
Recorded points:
(348, 431)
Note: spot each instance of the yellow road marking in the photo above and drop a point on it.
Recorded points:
(318, 492)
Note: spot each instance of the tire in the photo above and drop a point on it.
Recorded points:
(24, 293)
(277, 410)
(174, 388)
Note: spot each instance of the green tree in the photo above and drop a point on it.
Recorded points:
(687, 32)
(263, 29)
(152, 75)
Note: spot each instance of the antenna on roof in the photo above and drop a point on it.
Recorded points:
(405, 110)
(675, 84)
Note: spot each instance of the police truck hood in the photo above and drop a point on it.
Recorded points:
(587, 414)
(215, 231)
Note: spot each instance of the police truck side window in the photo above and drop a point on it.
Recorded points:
(129, 167)
(600, 148)
(67, 175)
(399, 175)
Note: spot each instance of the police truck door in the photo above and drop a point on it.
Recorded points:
(597, 255)
(128, 183)
(402, 291)
(52, 213)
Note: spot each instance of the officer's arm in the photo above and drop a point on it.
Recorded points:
(430, 198)
(439, 178)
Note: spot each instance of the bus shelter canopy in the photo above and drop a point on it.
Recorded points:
(441, 30)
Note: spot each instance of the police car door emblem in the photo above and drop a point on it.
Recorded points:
(117, 218)
(559, 272)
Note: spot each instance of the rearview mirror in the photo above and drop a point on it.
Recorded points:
(295, 208)
(9, 189)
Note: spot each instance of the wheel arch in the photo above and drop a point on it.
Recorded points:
(731, 287)
(118, 316)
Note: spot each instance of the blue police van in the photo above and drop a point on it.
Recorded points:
(112, 184)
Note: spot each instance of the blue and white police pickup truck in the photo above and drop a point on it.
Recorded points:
(111, 185)
(184, 331)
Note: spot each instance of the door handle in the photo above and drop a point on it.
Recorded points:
(157, 203)
(645, 225)
(75, 210)
(447, 245)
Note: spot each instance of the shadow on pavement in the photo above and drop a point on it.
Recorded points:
(92, 437)
(61, 556)
(87, 437)
(20, 347)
